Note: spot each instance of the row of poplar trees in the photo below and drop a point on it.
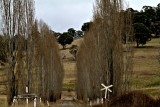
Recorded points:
(102, 58)
(32, 52)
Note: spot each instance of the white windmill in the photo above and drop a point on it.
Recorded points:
(106, 88)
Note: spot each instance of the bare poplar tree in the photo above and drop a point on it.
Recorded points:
(33, 53)
(100, 58)
(127, 33)
(50, 66)
(16, 16)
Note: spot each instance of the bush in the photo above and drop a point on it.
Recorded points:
(133, 99)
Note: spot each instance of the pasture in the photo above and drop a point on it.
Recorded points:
(146, 67)
(145, 75)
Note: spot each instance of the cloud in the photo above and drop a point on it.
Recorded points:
(63, 14)
(138, 4)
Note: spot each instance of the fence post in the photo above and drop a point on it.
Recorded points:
(35, 100)
(26, 93)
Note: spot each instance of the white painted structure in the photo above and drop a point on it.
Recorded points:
(27, 93)
(35, 100)
(106, 88)
(40, 100)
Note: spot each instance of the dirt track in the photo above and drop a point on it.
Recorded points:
(68, 100)
(69, 103)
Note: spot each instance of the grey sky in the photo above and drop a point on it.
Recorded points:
(63, 14)
(138, 4)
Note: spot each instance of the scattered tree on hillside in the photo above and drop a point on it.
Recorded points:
(140, 18)
(86, 26)
(149, 16)
(150, 12)
(158, 12)
(57, 34)
(79, 33)
(155, 28)
(72, 32)
(142, 33)
(65, 39)
(74, 50)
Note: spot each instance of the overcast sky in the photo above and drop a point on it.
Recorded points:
(63, 14)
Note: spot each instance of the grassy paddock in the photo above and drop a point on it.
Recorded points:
(146, 75)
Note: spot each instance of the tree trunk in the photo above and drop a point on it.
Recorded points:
(11, 82)
(64, 47)
(137, 41)
(111, 69)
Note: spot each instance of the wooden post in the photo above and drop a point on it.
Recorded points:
(26, 93)
(35, 99)
(40, 100)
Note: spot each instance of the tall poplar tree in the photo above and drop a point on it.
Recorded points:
(101, 57)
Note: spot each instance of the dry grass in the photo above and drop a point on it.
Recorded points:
(69, 64)
(77, 41)
(3, 100)
(134, 99)
(146, 75)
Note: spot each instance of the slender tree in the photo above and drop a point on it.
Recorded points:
(32, 52)
(100, 58)
(50, 66)
(17, 16)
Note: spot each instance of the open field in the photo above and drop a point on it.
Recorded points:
(145, 75)
(146, 68)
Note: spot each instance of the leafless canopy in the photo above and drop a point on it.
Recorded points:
(32, 52)
(101, 57)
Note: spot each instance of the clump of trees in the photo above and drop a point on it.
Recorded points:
(86, 26)
(142, 33)
(68, 37)
(147, 18)
(31, 52)
(100, 58)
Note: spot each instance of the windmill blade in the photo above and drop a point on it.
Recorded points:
(103, 89)
(103, 85)
(110, 86)
(109, 90)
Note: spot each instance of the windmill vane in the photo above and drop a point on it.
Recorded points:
(106, 88)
